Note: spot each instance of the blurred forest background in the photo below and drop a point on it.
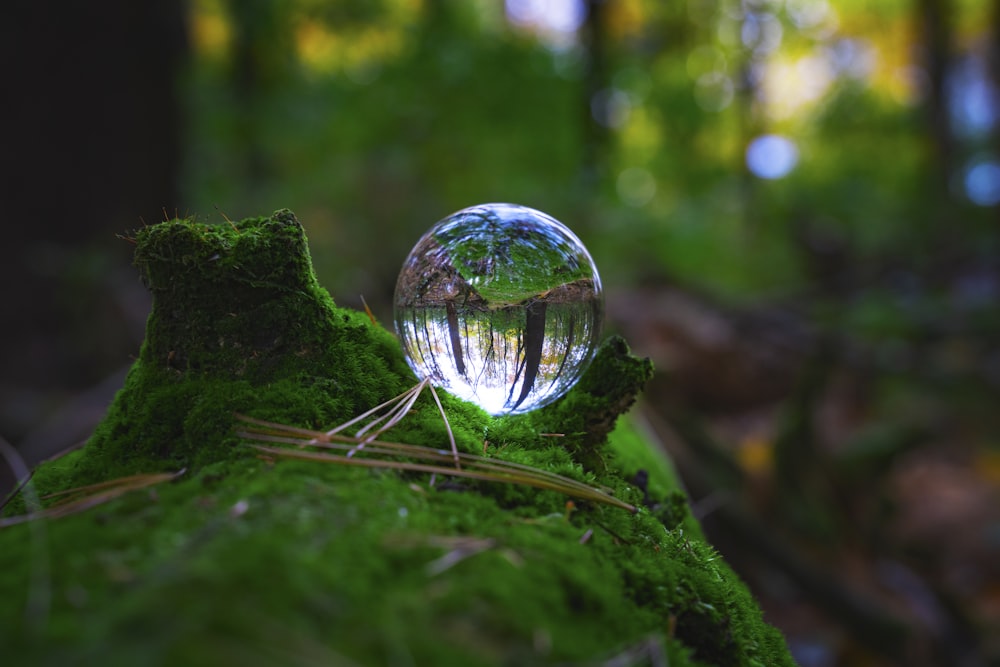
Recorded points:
(795, 206)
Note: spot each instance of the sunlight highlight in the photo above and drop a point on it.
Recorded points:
(211, 32)
(559, 16)
(324, 50)
(791, 87)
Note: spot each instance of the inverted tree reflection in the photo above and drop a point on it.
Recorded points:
(509, 359)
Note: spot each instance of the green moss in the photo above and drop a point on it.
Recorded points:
(243, 561)
(239, 323)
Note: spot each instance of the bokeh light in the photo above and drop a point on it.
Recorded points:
(974, 99)
(771, 156)
(982, 183)
(559, 16)
(610, 107)
(636, 186)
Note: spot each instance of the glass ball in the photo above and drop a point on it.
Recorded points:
(500, 305)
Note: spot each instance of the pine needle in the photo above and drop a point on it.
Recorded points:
(365, 451)
(82, 498)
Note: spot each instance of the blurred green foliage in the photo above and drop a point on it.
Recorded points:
(374, 120)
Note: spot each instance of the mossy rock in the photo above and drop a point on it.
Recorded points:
(242, 560)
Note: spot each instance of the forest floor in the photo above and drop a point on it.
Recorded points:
(859, 497)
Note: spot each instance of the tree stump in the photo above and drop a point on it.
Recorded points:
(248, 560)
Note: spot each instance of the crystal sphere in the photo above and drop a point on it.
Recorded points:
(500, 305)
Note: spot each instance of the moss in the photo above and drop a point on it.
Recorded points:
(238, 323)
(243, 561)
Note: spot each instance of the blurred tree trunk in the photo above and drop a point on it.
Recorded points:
(259, 53)
(91, 126)
(993, 63)
(935, 30)
(595, 91)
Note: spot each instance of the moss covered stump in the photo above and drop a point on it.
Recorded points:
(245, 560)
